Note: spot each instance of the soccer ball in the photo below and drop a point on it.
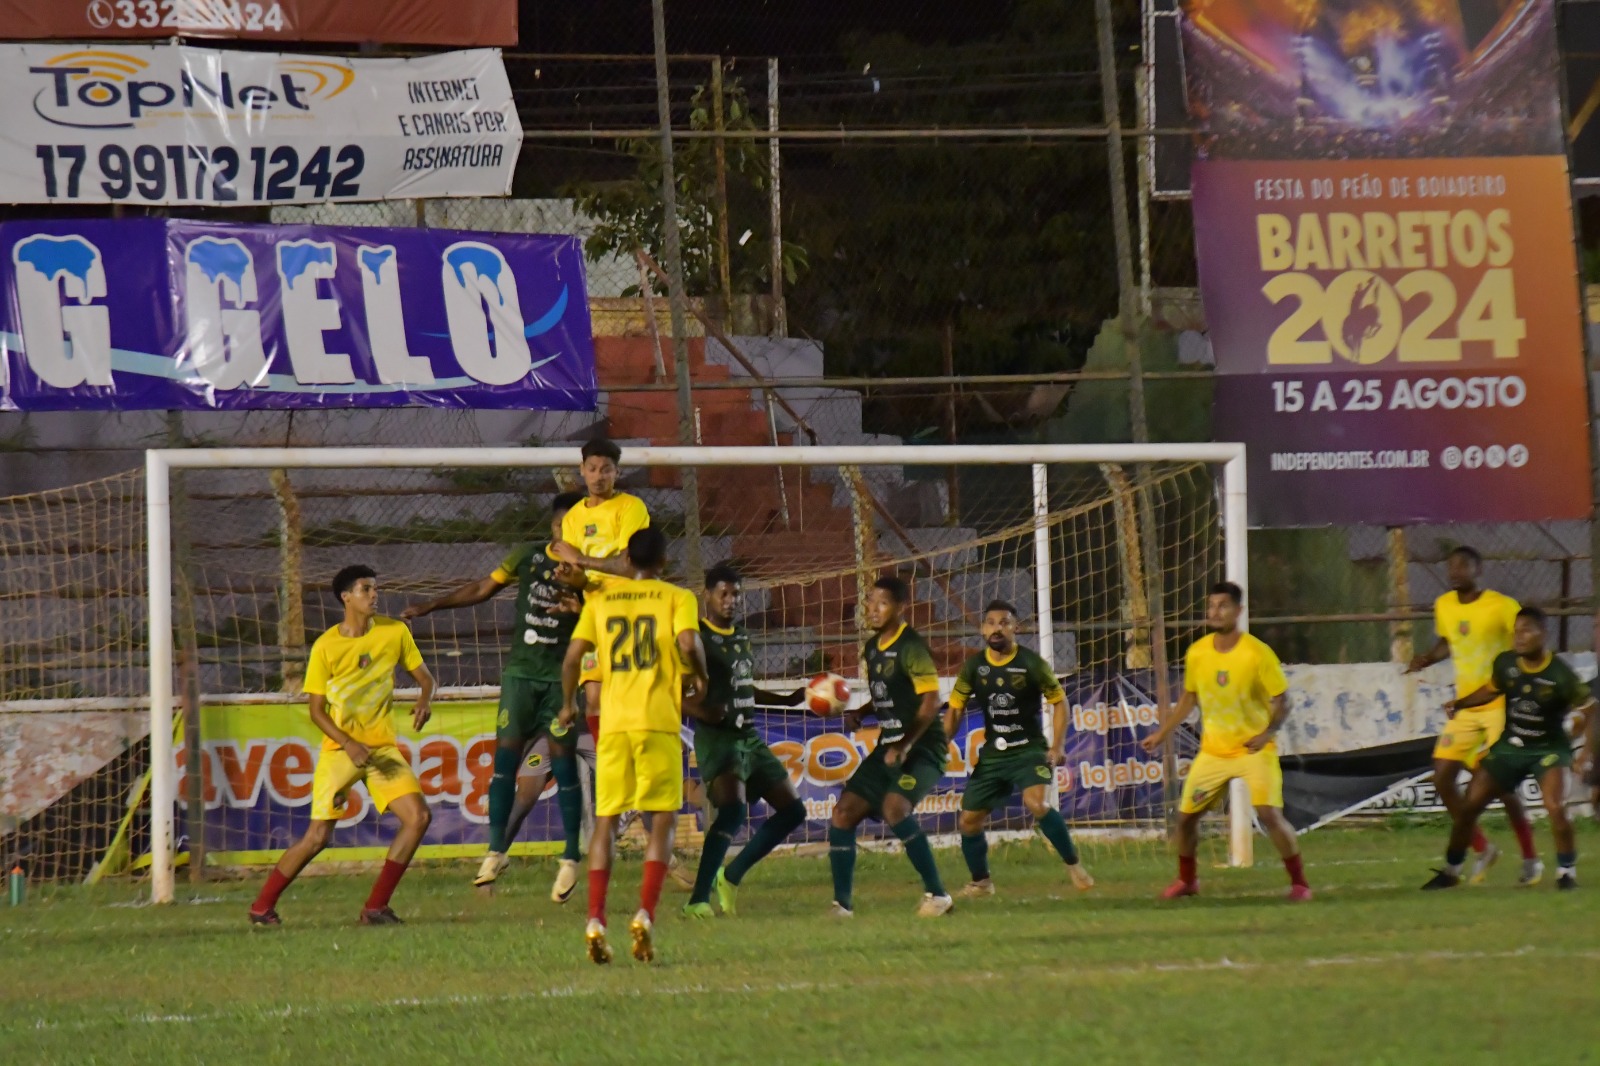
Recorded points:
(827, 694)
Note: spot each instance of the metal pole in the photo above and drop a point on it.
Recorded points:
(780, 321)
(720, 154)
(1143, 176)
(676, 298)
(1044, 595)
(1400, 642)
(158, 570)
(1122, 238)
(1236, 567)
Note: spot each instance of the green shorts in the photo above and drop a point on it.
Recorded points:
(1510, 765)
(913, 779)
(741, 753)
(528, 708)
(997, 777)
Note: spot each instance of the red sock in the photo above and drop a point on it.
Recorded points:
(1297, 871)
(270, 892)
(1524, 831)
(383, 888)
(599, 881)
(655, 873)
(1479, 841)
(1186, 869)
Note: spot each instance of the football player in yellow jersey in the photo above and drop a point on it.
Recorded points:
(1239, 685)
(1474, 626)
(350, 688)
(646, 635)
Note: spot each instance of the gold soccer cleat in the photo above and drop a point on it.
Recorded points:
(594, 937)
(640, 928)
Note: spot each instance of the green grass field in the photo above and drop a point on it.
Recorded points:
(1372, 971)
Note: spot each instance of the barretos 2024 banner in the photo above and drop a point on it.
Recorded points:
(451, 22)
(158, 124)
(259, 763)
(1384, 229)
(130, 314)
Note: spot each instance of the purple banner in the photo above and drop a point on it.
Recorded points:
(136, 314)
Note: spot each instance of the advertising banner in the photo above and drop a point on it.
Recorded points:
(435, 22)
(1384, 230)
(128, 314)
(161, 124)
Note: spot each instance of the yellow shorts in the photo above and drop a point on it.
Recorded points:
(637, 770)
(387, 774)
(1207, 783)
(1466, 737)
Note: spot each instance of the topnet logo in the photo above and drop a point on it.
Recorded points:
(101, 89)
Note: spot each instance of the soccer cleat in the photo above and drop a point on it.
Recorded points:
(1180, 888)
(1299, 894)
(1080, 877)
(727, 894)
(1567, 881)
(1532, 873)
(1442, 879)
(566, 881)
(594, 937)
(268, 918)
(978, 889)
(641, 928)
(1480, 866)
(839, 910)
(380, 916)
(934, 906)
(698, 910)
(494, 864)
(679, 878)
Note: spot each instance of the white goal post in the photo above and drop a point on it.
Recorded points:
(160, 464)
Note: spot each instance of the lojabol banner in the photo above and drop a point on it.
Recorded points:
(1384, 230)
(128, 314)
(436, 22)
(158, 124)
(259, 763)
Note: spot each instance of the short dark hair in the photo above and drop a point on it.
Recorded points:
(565, 501)
(1534, 615)
(1230, 590)
(602, 447)
(647, 549)
(1001, 605)
(345, 579)
(722, 574)
(1467, 552)
(897, 589)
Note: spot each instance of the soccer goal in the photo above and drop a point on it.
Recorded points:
(1104, 550)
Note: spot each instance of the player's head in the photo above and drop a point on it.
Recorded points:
(1462, 568)
(1527, 636)
(564, 502)
(599, 469)
(1000, 626)
(647, 551)
(887, 602)
(1223, 605)
(723, 588)
(357, 589)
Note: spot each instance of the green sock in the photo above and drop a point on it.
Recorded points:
(920, 852)
(715, 849)
(975, 849)
(1054, 828)
(779, 824)
(842, 857)
(502, 794)
(569, 798)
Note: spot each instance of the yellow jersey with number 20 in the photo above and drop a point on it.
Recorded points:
(1235, 688)
(634, 627)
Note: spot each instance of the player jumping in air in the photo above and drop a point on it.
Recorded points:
(1010, 684)
(350, 685)
(530, 690)
(735, 763)
(1474, 626)
(1239, 685)
(646, 634)
(910, 755)
(1539, 691)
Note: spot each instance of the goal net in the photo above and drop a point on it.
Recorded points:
(1105, 551)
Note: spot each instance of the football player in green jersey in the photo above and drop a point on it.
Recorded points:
(1541, 692)
(735, 763)
(530, 689)
(1011, 685)
(910, 756)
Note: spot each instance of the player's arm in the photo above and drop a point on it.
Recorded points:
(693, 652)
(1581, 734)
(612, 565)
(318, 706)
(1436, 654)
(1171, 718)
(469, 595)
(1276, 686)
(422, 710)
(571, 669)
(1485, 693)
(767, 698)
(925, 682)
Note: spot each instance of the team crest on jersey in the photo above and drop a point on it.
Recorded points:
(504, 719)
(1464, 627)
(363, 662)
(1043, 772)
(888, 668)
(535, 760)
(983, 671)
(1549, 760)
(591, 530)
(1018, 681)
(1222, 678)
(907, 782)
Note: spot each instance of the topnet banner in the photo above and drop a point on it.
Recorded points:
(149, 125)
(449, 22)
